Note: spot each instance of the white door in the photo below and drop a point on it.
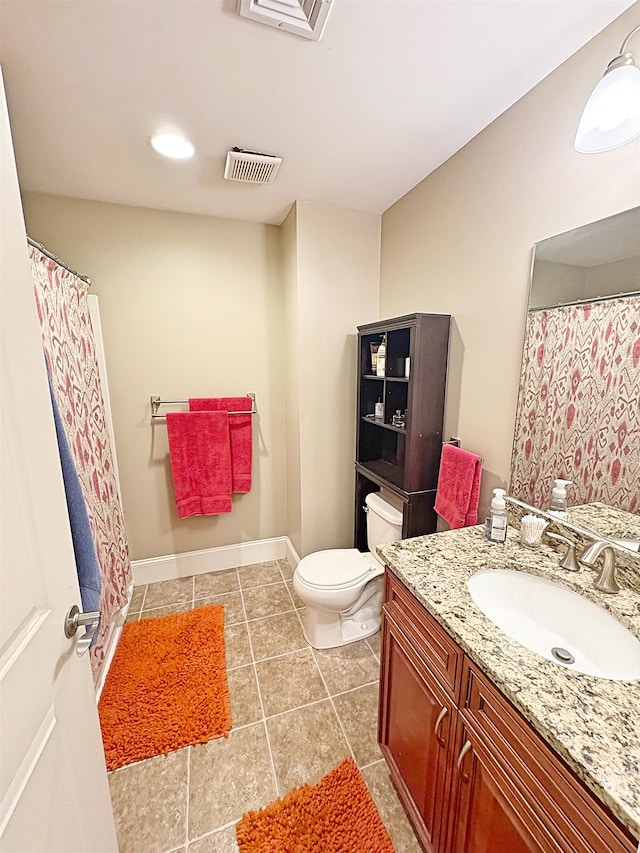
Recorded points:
(54, 795)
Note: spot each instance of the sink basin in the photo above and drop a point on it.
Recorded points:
(557, 623)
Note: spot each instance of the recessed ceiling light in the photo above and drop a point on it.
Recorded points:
(172, 145)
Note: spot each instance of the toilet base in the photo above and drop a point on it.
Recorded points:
(324, 629)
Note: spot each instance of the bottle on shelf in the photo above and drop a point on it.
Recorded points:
(379, 410)
(399, 419)
(382, 357)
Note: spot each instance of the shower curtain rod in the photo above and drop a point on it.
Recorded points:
(586, 301)
(55, 258)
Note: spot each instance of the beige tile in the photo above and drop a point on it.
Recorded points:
(243, 693)
(215, 583)
(269, 600)
(175, 591)
(276, 635)
(305, 744)
(286, 569)
(166, 611)
(289, 681)
(375, 643)
(132, 617)
(390, 808)
(237, 646)
(358, 713)
(222, 841)
(150, 803)
(229, 776)
(231, 602)
(347, 666)
(259, 574)
(137, 597)
(297, 603)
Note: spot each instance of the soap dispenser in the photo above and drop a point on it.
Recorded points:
(497, 531)
(558, 506)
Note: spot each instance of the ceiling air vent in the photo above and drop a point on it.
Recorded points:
(302, 17)
(251, 167)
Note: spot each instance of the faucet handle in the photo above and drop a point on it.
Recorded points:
(606, 579)
(569, 561)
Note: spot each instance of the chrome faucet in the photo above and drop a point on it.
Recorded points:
(606, 579)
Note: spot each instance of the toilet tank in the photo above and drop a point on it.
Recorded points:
(384, 522)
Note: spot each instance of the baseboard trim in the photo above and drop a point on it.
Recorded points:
(190, 563)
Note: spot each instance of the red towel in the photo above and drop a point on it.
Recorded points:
(200, 453)
(458, 487)
(240, 429)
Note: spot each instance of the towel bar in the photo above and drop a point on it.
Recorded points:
(456, 443)
(156, 402)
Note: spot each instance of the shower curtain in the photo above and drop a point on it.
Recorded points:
(579, 406)
(68, 342)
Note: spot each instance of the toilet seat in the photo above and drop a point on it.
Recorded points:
(338, 568)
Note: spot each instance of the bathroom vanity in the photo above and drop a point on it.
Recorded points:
(490, 746)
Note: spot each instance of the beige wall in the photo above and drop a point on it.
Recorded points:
(194, 306)
(460, 242)
(289, 237)
(331, 274)
(338, 272)
(190, 306)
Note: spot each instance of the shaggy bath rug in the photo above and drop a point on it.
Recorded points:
(166, 687)
(336, 815)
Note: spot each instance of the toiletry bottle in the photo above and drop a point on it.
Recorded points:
(498, 518)
(382, 357)
(379, 411)
(558, 504)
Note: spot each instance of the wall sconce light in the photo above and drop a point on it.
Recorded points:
(611, 116)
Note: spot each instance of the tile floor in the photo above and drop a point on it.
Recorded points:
(297, 712)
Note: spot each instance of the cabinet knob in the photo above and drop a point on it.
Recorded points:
(465, 749)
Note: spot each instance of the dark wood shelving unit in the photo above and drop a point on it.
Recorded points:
(405, 460)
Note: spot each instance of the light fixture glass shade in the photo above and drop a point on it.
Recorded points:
(172, 145)
(612, 115)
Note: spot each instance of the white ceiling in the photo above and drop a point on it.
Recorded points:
(393, 89)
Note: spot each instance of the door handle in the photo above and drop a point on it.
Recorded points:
(436, 730)
(74, 619)
(465, 749)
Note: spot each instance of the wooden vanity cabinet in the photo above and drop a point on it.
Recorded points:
(472, 773)
(416, 735)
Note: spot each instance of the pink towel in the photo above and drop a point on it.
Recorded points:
(200, 453)
(458, 487)
(240, 429)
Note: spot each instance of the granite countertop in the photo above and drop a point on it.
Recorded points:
(592, 723)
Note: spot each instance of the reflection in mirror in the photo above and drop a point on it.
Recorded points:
(598, 260)
(596, 521)
(578, 414)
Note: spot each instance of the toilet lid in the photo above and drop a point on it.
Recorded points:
(337, 567)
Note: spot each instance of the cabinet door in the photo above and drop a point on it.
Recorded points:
(561, 814)
(415, 728)
(486, 814)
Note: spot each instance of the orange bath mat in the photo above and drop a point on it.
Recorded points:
(336, 815)
(166, 687)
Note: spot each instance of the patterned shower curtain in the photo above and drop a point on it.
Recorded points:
(69, 348)
(579, 407)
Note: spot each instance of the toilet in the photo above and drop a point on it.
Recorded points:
(342, 587)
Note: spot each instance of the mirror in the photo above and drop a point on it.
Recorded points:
(579, 400)
(597, 261)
